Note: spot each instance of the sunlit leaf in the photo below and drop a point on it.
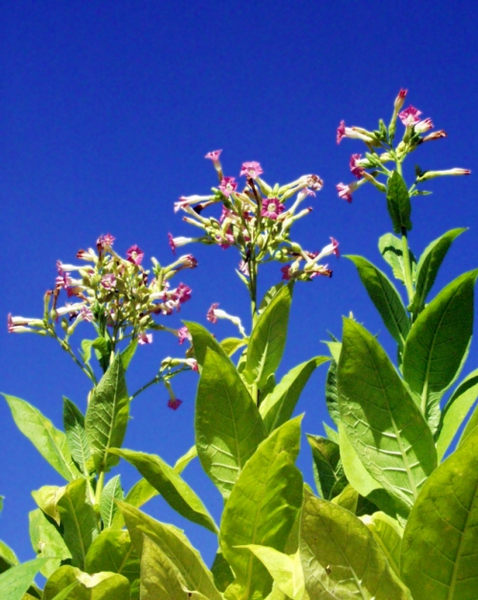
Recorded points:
(111, 492)
(15, 581)
(47, 541)
(74, 424)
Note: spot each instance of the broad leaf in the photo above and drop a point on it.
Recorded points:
(8, 558)
(279, 405)
(440, 543)
(267, 340)
(78, 521)
(231, 345)
(171, 545)
(428, 266)
(110, 494)
(107, 415)
(160, 579)
(99, 586)
(74, 424)
(228, 425)
(15, 581)
(202, 340)
(177, 493)
(398, 203)
(50, 442)
(47, 499)
(380, 418)
(388, 534)
(340, 557)
(438, 342)
(392, 251)
(328, 471)
(385, 297)
(262, 507)
(47, 541)
(455, 411)
(140, 493)
(113, 551)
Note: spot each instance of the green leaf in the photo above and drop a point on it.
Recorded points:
(112, 550)
(159, 576)
(177, 493)
(382, 421)
(279, 405)
(173, 545)
(440, 543)
(74, 424)
(15, 581)
(202, 340)
(231, 345)
(78, 521)
(262, 507)
(185, 459)
(455, 411)
(50, 442)
(111, 492)
(331, 397)
(328, 471)
(428, 266)
(221, 571)
(385, 297)
(340, 557)
(8, 558)
(392, 252)
(388, 535)
(268, 337)
(47, 541)
(398, 203)
(47, 499)
(228, 424)
(107, 415)
(438, 342)
(140, 493)
(128, 353)
(82, 586)
(285, 570)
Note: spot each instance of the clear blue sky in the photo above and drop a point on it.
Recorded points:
(107, 111)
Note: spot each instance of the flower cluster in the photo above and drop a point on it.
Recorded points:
(381, 149)
(116, 294)
(255, 219)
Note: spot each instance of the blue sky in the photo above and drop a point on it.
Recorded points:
(107, 111)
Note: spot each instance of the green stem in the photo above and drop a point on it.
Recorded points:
(407, 268)
(88, 371)
(99, 487)
(156, 379)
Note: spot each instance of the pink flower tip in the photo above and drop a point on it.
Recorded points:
(184, 334)
(410, 116)
(251, 169)
(228, 185)
(213, 155)
(135, 255)
(271, 208)
(145, 338)
(171, 243)
(211, 315)
(174, 403)
(340, 132)
(105, 241)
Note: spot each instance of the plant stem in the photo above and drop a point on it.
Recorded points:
(406, 266)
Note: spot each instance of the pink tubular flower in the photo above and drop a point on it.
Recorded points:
(345, 191)
(251, 169)
(108, 281)
(145, 338)
(135, 255)
(286, 272)
(332, 248)
(271, 208)
(211, 314)
(183, 335)
(105, 241)
(410, 116)
(183, 293)
(399, 100)
(424, 125)
(174, 403)
(214, 156)
(228, 185)
(340, 132)
(171, 243)
(355, 167)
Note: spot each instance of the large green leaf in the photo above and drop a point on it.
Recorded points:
(382, 421)
(174, 546)
(160, 578)
(113, 551)
(8, 558)
(328, 471)
(107, 415)
(177, 493)
(391, 249)
(98, 586)
(74, 424)
(278, 406)
(440, 543)
(428, 266)
(340, 557)
(47, 541)
(202, 340)
(15, 581)
(78, 521)
(109, 495)
(262, 507)
(455, 411)
(50, 442)
(438, 342)
(398, 203)
(228, 424)
(385, 297)
(388, 534)
(267, 340)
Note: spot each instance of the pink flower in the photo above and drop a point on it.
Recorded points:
(86, 314)
(63, 280)
(214, 156)
(105, 241)
(315, 183)
(345, 191)
(228, 185)
(286, 272)
(399, 100)
(410, 116)
(251, 169)
(145, 338)
(108, 281)
(271, 208)
(355, 167)
(244, 268)
(135, 255)
(183, 335)
(174, 403)
(424, 125)
(189, 261)
(182, 293)
(332, 248)
(211, 314)
(171, 243)
(341, 132)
